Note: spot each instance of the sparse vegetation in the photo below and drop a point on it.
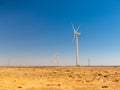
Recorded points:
(63, 78)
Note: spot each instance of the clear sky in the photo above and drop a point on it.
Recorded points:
(33, 31)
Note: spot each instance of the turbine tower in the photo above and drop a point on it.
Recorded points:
(76, 34)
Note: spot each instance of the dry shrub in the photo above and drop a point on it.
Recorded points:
(115, 80)
(19, 86)
(99, 74)
(67, 70)
(104, 86)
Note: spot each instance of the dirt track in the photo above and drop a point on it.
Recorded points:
(60, 78)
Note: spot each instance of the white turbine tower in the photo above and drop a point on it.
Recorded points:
(76, 34)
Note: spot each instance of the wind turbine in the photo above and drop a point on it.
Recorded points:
(76, 34)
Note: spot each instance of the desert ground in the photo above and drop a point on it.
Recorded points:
(60, 78)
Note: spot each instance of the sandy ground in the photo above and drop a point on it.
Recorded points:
(60, 78)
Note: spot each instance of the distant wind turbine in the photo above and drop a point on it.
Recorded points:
(89, 61)
(76, 34)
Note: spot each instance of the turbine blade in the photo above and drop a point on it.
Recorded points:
(73, 38)
(73, 27)
(78, 28)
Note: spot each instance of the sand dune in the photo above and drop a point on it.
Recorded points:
(60, 78)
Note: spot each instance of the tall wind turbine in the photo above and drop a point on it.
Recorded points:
(76, 34)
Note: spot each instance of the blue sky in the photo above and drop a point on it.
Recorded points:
(33, 31)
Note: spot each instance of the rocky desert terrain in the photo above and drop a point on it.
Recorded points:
(60, 78)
